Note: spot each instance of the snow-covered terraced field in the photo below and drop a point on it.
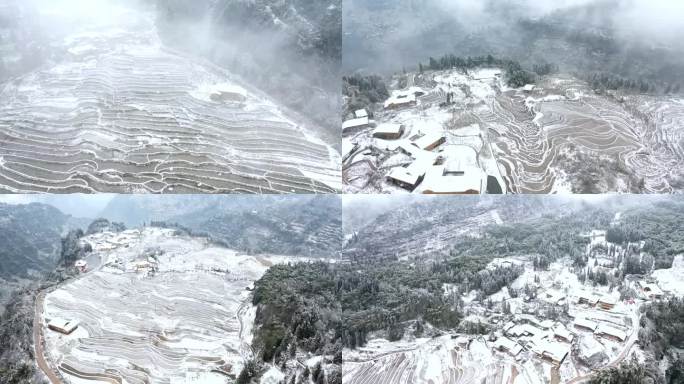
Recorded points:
(191, 317)
(431, 362)
(118, 112)
(530, 132)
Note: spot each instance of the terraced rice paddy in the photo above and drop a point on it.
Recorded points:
(190, 317)
(120, 113)
(438, 361)
(540, 136)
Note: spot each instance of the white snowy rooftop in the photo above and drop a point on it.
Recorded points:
(361, 113)
(63, 324)
(388, 128)
(610, 300)
(561, 331)
(428, 140)
(404, 175)
(439, 180)
(651, 289)
(354, 123)
(403, 97)
(608, 330)
(552, 349)
(582, 322)
(509, 345)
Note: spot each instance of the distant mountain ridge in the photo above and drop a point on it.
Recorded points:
(30, 236)
(301, 225)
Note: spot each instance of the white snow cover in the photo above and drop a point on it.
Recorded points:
(187, 313)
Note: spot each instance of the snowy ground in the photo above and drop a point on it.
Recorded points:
(119, 112)
(548, 140)
(426, 118)
(429, 361)
(162, 307)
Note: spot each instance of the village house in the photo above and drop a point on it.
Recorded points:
(551, 351)
(428, 141)
(606, 331)
(62, 326)
(583, 324)
(388, 131)
(405, 178)
(404, 98)
(650, 290)
(587, 298)
(561, 333)
(607, 303)
(507, 345)
(355, 125)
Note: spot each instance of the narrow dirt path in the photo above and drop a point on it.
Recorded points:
(38, 341)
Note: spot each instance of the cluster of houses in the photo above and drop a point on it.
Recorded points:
(551, 340)
(547, 339)
(436, 167)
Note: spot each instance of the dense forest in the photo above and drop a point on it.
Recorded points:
(382, 296)
(298, 310)
(658, 225)
(362, 92)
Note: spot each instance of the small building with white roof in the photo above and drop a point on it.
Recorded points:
(583, 324)
(605, 330)
(360, 113)
(388, 131)
(62, 325)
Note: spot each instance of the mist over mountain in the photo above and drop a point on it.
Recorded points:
(634, 39)
(30, 237)
(289, 48)
(303, 225)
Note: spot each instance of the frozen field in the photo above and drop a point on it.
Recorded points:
(539, 136)
(428, 361)
(161, 309)
(118, 112)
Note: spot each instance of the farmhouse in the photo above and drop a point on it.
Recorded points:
(609, 332)
(429, 141)
(62, 325)
(529, 319)
(388, 131)
(524, 330)
(507, 345)
(562, 334)
(583, 324)
(354, 125)
(553, 296)
(404, 98)
(607, 303)
(405, 178)
(650, 290)
(360, 113)
(551, 351)
(587, 298)
(445, 180)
